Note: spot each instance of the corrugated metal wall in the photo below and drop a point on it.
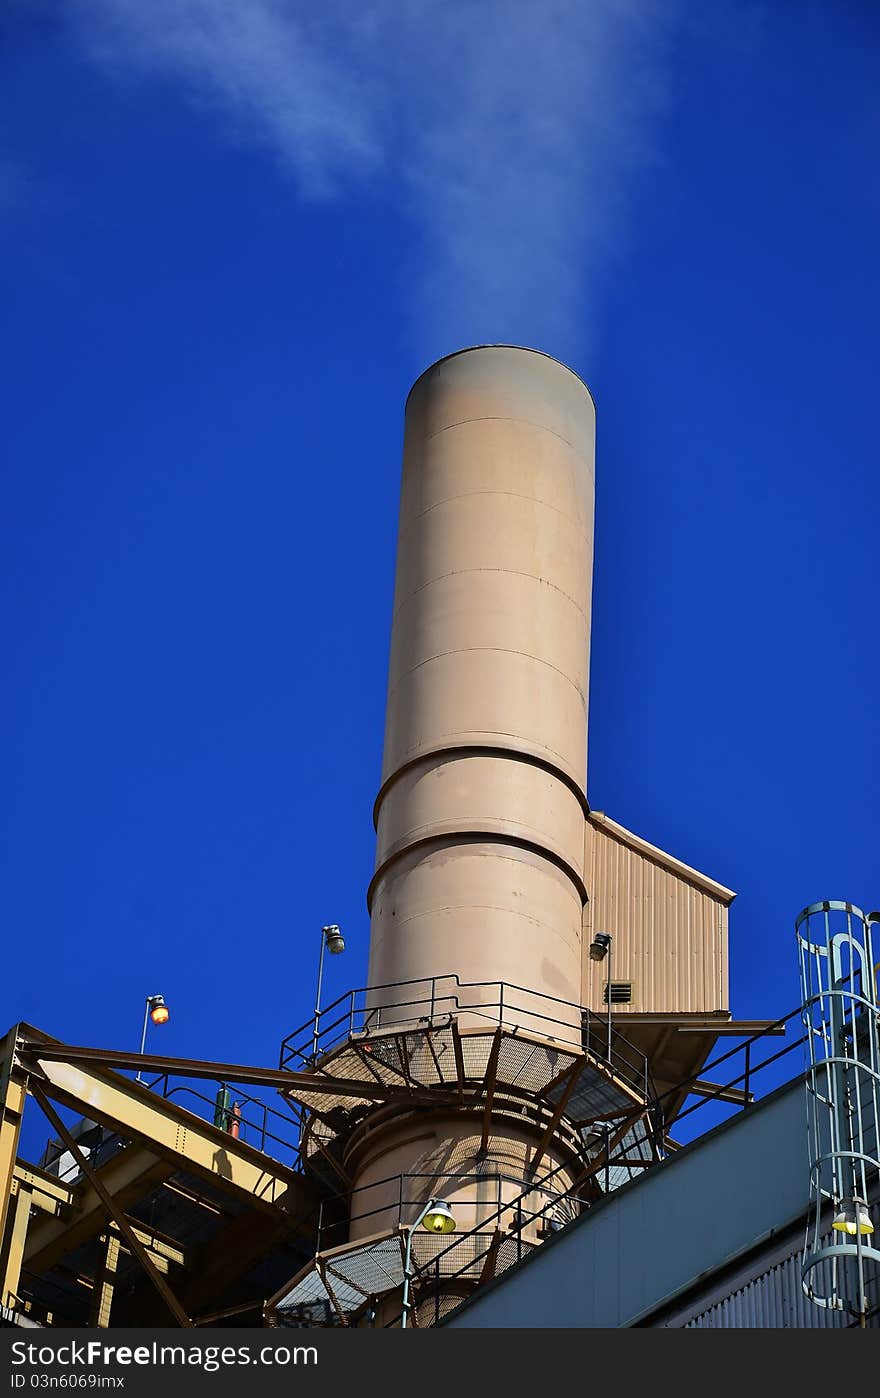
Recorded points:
(774, 1300)
(670, 930)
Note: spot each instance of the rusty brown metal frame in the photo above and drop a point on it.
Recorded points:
(488, 1086)
(559, 1111)
(366, 1059)
(737, 1095)
(400, 1040)
(334, 1164)
(133, 1243)
(564, 1072)
(604, 1157)
(488, 1268)
(365, 1048)
(429, 1040)
(320, 1268)
(459, 1059)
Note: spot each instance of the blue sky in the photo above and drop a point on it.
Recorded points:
(230, 246)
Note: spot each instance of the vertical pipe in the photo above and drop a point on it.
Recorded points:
(140, 1076)
(318, 998)
(610, 954)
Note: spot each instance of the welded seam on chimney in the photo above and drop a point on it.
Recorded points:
(454, 750)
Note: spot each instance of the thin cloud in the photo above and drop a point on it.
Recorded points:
(508, 132)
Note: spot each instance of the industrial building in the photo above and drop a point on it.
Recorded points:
(488, 1131)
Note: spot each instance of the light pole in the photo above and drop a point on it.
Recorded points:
(333, 940)
(437, 1217)
(157, 1011)
(600, 947)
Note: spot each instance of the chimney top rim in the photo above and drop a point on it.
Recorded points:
(522, 349)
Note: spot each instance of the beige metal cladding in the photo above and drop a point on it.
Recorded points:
(668, 921)
(479, 865)
(442, 1158)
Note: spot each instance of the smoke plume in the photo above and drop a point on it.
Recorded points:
(507, 132)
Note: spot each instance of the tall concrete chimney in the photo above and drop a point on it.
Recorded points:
(480, 814)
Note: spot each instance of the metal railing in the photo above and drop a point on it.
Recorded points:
(436, 1276)
(436, 1281)
(402, 1006)
(258, 1124)
(408, 1196)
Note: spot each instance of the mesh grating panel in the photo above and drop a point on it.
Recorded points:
(327, 1102)
(386, 1055)
(307, 1315)
(530, 1066)
(432, 1311)
(438, 1302)
(308, 1289)
(366, 1269)
(383, 1057)
(452, 1255)
(348, 1298)
(348, 1064)
(593, 1096)
(475, 1050)
(422, 1065)
(373, 1269)
(634, 1146)
(510, 1252)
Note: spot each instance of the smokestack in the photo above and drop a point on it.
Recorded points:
(480, 814)
(495, 1074)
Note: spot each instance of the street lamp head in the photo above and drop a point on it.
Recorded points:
(333, 939)
(439, 1217)
(159, 1011)
(852, 1217)
(600, 946)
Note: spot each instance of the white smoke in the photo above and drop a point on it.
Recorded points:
(508, 131)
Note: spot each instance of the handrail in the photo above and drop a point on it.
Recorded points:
(260, 1128)
(446, 995)
(515, 1229)
(440, 1180)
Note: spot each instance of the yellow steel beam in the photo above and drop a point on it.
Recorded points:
(105, 1281)
(12, 1096)
(128, 1176)
(134, 1246)
(159, 1245)
(201, 1201)
(173, 1133)
(14, 1249)
(50, 1194)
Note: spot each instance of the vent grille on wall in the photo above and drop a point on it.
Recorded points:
(618, 992)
